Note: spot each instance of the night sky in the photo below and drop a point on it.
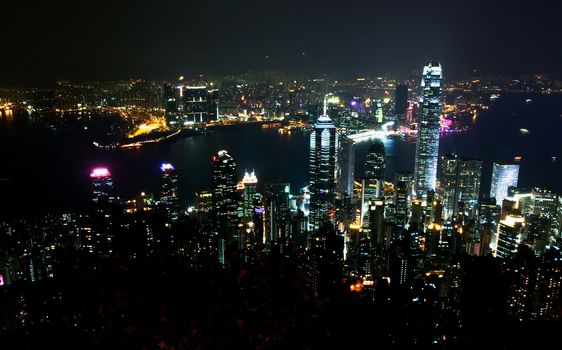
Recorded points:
(99, 40)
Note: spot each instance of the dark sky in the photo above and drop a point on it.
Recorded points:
(98, 40)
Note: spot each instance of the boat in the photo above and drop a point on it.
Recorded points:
(494, 96)
(528, 100)
(524, 131)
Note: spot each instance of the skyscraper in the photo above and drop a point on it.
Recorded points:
(403, 191)
(323, 158)
(250, 182)
(195, 103)
(169, 193)
(510, 235)
(102, 184)
(427, 147)
(225, 201)
(543, 204)
(375, 163)
(346, 166)
(460, 183)
(504, 175)
(277, 211)
(401, 102)
(373, 179)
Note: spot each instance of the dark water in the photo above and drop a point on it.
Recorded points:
(42, 170)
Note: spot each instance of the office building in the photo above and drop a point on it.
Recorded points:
(460, 183)
(169, 193)
(102, 184)
(323, 159)
(427, 147)
(403, 182)
(504, 175)
(225, 199)
(510, 235)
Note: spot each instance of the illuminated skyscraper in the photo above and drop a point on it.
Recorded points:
(323, 158)
(510, 235)
(460, 183)
(375, 162)
(403, 191)
(195, 103)
(225, 201)
(204, 205)
(169, 193)
(373, 179)
(427, 147)
(504, 175)
(543, 204)
(250, 182)
(102, 184)
(346, 166)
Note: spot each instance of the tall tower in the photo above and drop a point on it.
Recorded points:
(102, 184)
(460, 182)
(169, 193)
(374, 178)
(403, 191)
(346, 166)
(250, 182)
(427, 147)
(225, 201)
(510, 235)
(323, 175)
(504, 175)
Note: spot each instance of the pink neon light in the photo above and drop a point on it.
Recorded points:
(100, 172)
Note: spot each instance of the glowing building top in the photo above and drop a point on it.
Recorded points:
(167, 167)
(100, 172)
(250, 178)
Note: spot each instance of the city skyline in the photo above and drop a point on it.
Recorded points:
(281, 175)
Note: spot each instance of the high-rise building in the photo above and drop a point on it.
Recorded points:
(488, 220)
(346, 166)
(375, 162)
(427, 147)
(277, 211)
(204, 205)
(549, 284)
(250, 182)
(544, 204)
(510, 235)
(225, 200)
(323, 159)
(102, 184)
(460, 183)
(403, 182)
(373, 179)
(169, 192)
(190, 104)
(195, 103)
(504, 175)
(558, 219)
(401, 102)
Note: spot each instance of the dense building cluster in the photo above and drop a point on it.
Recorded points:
(414, 259)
